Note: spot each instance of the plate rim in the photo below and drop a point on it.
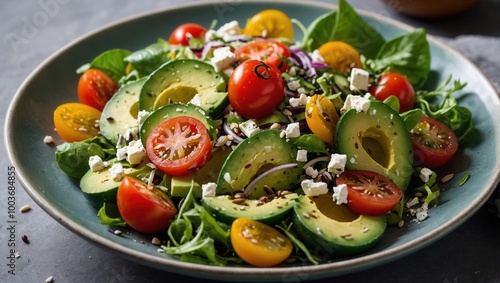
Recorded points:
(225, 273)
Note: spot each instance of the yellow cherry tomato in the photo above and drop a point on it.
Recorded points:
(322, 117)
(271, 23)
(76, 121)
(341, 56)
(259, 244)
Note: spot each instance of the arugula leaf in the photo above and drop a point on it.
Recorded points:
(108, 215)
(216, 230)
(73, 158)
(456, 117)
(353, 30)
(297, 243)
(408, 54)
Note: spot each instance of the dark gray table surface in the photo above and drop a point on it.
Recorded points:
(471, 253)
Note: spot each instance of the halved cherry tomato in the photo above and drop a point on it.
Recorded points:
(182, 34)
(95, 88)
(76, 121)
(259, 244)
(270, 24)
(271, 52)
(341, 56)
(396, 84)
(179, 145)
(369, 193)
(255, 89)
(434, 144)
(322, 117)
(147, 210)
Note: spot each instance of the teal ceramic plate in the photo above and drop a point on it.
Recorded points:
(29, 120)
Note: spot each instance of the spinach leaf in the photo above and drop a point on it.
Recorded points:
(311, 143)
(408, 54)
(146, 60)
(112, 63)
(320, 31)
(73, 158)
(411, 118)
(353, 30)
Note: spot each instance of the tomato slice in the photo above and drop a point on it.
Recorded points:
(179, 145)
(341, 56)
(270, 23)
(271, 52)
(259, 244)
(255, 89)
(434, 144)
(76, 121)
(369, 193)
(147, 210)
(322, 117)
(95, 88)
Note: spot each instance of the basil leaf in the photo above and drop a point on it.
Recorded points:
(112, 63)
(353, 30)
(408, 54)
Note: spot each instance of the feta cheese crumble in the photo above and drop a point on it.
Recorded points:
(96, 163)
(301, 155)
(292, 130)
(248, 128)
(340, 194)
(48, 139)
(425, 174)
(359, 103)
(116, 172)
(337, 163)
(312, 189)
(208, 189)
(359, 80)
(223, 58)
(135, 152)
(141, 116)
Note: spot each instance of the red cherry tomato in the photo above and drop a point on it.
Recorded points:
(369, 193)
(434, 144)
(182, 34)
(147, 210)
(179, 145)
(271, 52)
(255, 89)
(394, 84)
(95, 88)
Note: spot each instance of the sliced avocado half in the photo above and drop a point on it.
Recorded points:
(273, 212)
(181, 81)
(120, 112)
(377, 140)
(335, 229)
(255, 155)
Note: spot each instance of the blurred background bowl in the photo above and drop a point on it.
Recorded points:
(430, 8)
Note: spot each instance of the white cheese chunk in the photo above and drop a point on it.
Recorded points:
(141, 116)
(337, 163)
(425, 174)
(316, 57)
(292, 130)
(312, 172)
(223, 58)
(135, 153)
(340, 194)
(249, 127)
(301, 155)
(359, 80)
(359, 103)
(313, 189)
(96, 163)
(121, 153)
(293, 85)
(116, 172)
(48, 139)
(208, 189)
(231, 28)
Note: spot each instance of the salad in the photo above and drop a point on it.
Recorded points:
(241, 144)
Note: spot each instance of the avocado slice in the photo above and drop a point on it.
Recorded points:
(120, 112)
(174, 110)
(98, 187)
(377, 140)
(254, 156)
(335, 229)
(182, 80)
(225, 210)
